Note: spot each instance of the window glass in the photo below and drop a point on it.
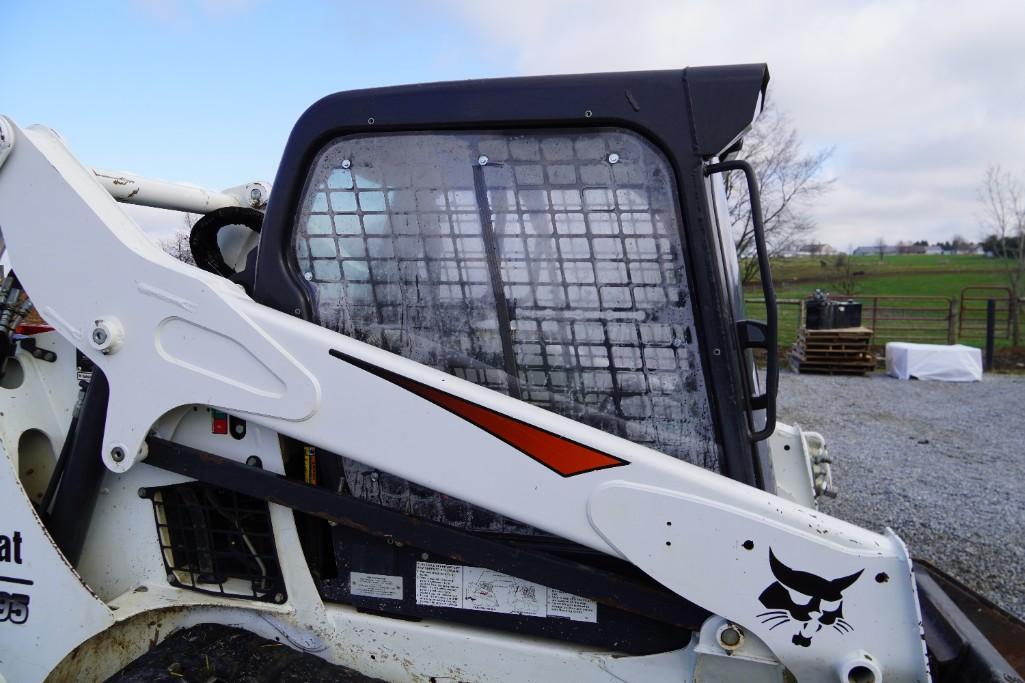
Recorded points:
(417, 242)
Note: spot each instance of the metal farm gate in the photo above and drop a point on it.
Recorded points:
(972, 314)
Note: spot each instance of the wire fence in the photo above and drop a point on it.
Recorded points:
(925, 319)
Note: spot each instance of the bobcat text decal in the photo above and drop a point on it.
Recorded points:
(13, 606)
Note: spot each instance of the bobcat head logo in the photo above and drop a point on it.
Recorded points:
(810, 601)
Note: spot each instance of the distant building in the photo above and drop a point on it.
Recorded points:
(885, 250)
(965, 249)
(933, 249)
(810, 249)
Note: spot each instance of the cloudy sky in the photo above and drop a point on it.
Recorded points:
(917, 98)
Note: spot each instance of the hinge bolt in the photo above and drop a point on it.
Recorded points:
(106, 336)
(730, 637)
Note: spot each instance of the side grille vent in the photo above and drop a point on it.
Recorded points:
(216, 541)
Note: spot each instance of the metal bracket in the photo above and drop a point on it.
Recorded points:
(755, 335)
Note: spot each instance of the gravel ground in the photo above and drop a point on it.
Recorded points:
(943, 464)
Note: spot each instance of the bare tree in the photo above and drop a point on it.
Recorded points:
(881, 248)
(843, 274)
(1003, 201)
(960, 245)
(177, 245)
(789, 179)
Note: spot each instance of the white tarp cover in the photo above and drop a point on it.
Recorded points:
(955, 363)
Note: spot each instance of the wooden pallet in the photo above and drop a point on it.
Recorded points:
(856, 359)
(837, 352)
(840, 354)
(836, 341)
(840, 332)
(828, 369)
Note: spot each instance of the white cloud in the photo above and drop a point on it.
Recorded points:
(917, 97)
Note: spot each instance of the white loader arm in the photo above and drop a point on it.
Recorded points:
(166, 335)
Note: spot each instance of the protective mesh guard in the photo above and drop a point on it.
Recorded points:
(545, 265)
(217, 541)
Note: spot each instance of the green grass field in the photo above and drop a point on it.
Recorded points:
(903, 275)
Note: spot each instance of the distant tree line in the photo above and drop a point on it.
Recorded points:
(1006, 247)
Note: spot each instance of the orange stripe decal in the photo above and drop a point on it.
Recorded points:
(562, 455)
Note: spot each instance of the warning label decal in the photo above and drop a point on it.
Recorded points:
(439, 585)
(485, 590)
(375, 585)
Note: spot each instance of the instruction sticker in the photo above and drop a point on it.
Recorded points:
(375, 585)
(439, 585)
(485, 590)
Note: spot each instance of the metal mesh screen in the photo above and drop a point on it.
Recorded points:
(547, 266)
(217, 541)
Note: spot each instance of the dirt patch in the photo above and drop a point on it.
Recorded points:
(1009, 360)
(213, 653)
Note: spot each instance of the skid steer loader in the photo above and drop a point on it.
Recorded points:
(470, 396)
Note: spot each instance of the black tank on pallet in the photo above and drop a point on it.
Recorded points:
(823, 313)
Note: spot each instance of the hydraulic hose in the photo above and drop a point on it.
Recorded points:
(203, 238)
